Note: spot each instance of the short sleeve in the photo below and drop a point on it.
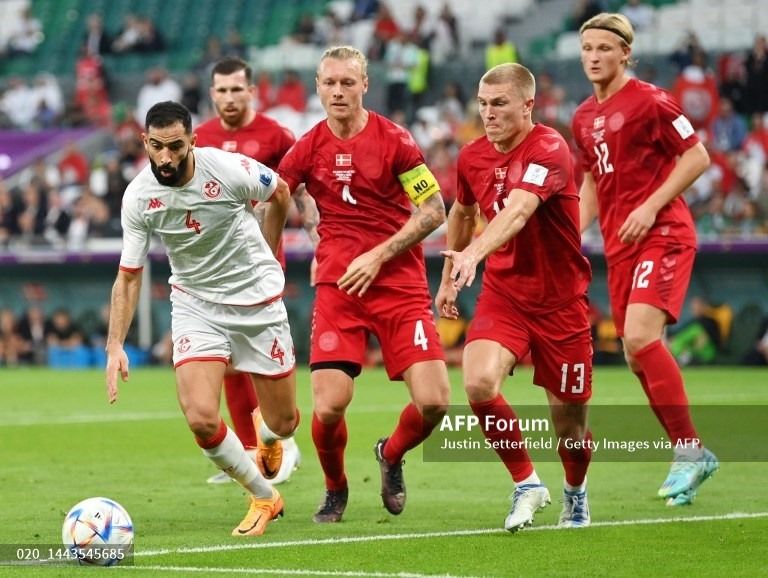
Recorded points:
(292, 167)
(464, 193)
(260, 181)
(136, 235)
(674, 131)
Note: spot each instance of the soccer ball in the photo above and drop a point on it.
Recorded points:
(99, 532)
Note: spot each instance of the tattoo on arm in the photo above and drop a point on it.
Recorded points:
(310, 218)
(427, 217)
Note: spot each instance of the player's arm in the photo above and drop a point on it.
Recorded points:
(461, 227)
(692, 163)
(520, 205)
(125, 296)
(307, 209)
(587, 201)
(428, 216)
(275, 215)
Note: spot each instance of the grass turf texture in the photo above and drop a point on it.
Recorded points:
(61, 442)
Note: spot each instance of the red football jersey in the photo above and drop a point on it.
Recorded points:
(629, 143)
(542, 267)
(361, 201)
(263, 139)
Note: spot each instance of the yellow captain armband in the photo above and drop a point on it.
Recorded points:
(419, 183)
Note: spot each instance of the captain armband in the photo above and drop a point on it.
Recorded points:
(419, 183)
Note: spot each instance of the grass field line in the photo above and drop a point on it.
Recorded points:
(448, 534)
(294, 572)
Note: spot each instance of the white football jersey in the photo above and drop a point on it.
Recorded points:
(214, 244)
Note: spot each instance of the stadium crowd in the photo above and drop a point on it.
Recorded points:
(65, 203)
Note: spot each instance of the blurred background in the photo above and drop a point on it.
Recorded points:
(77, 77)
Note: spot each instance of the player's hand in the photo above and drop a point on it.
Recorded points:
(637, 225)
(445, 301)
(117, 362)
(361, 273)
(464, 268)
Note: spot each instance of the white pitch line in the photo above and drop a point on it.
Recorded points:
(293, 572)
(451, 534)
(82, 418)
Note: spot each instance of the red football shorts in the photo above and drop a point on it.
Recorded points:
(658, 276)
(560, 342)
(400, 317)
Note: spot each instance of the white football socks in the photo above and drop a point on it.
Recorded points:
(230, 456)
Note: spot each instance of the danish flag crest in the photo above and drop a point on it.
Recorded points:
(501, 173)
(344, 160)
(212, 190)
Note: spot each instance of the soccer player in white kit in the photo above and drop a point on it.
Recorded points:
(226, 292)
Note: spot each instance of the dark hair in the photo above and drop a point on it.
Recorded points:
(230, 65)
(164, 114)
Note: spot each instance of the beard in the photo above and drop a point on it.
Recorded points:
(173, 179)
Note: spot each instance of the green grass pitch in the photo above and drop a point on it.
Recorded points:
(61, 442)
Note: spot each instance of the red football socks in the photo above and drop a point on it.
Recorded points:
(666, 391)
(330, 442)
(516, 458)
(241, 401)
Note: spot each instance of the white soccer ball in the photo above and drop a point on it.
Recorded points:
(99, 532)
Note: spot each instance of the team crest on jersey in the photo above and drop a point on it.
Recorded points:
(212, 190)
(501, 173)
(344, 160)
(183, 345)
(155, 204)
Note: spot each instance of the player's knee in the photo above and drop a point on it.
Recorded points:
(635, 338)
(480, 387)
(329, 413)
(433, 412)
(203, 424)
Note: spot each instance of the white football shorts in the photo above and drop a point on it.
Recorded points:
(255, 339)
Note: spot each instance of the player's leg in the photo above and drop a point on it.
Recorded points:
(561, 351)
(405, 326)
(332, 389)
(241, 400)
(337, 353)
(199, 393)
(660, 280)
(486, 365)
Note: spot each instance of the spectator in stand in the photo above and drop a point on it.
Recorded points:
(304, 31)
(214, 51)
(159, 87)
(9, 226)
(385, 28)
(732, 76)
(233, 45)
(90, 216)
(755, 152)
(32, 329)
(95, 39)
(32, 215)
(442, 161)
(17, 103)
(695, 88)
(91, 99)
(422, 30)
(699, 340)
(49, 100)
(330, 29)
(61, 331)
(11, 343)
(583, 10)
(129, 36)
(28, 36)
(500, 51)
(640, 14)
(756, 65)
(689, 45)
(264, 91)
(291, 92)
(192, 95)
(446, 43)
(729, 129)
(74, 167)
(364, 9)
(758, 355)
(150, 38)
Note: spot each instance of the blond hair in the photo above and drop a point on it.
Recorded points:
(515, 74)
(612, 22)
(347, 53)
